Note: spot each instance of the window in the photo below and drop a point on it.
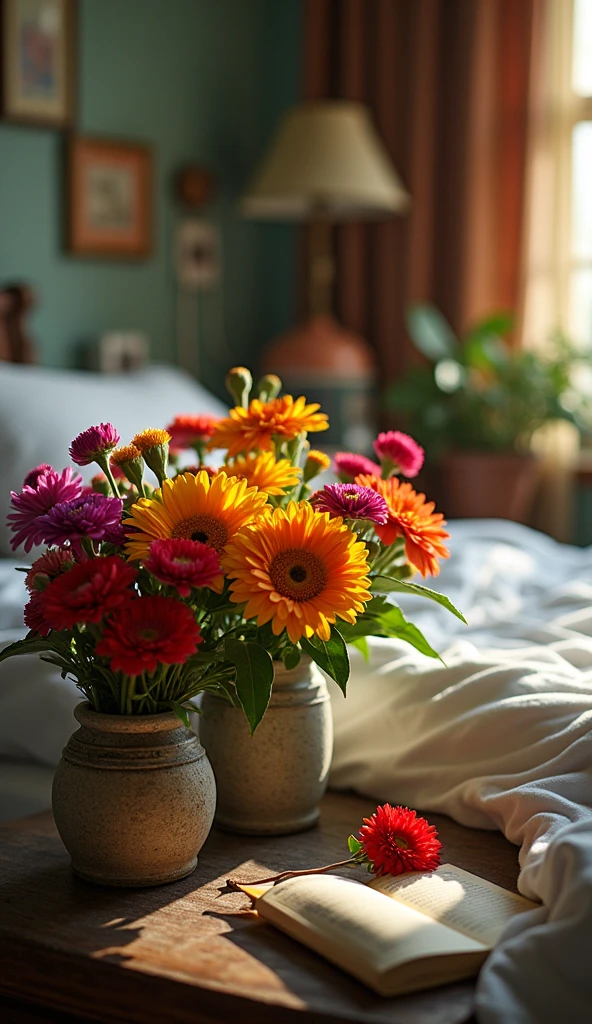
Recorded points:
(558, 256)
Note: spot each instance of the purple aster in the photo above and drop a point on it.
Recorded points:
(33, 476)
(91, 515)
(31, 505)
(352, 502)
(94, 444)
(348, 466)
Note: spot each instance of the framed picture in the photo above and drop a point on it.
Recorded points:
(37, 61)
(109, 198)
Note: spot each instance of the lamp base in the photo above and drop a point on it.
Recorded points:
(335, 367)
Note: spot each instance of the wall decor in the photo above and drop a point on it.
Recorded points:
(37, 61)
(109, 198)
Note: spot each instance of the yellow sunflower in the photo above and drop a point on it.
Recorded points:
(195, 508)
(254, 427)
(298, 569)
(265, 472)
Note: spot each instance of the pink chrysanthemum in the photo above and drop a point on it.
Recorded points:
(91, 515)
(34, 474)
(33, 615)
(399, 453)
(352, 502)
(49, 565)
(395, 840)
(32, 504)
(184, 564)
(94, 444)
(348, 466)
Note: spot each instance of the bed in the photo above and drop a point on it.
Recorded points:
(498, 735)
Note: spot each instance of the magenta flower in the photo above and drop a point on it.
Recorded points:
(33, 503)
(91, 516)
(33, 476)
(352, 501)
(399, 453)
(183, 564)
(94, 444)
(348, 466)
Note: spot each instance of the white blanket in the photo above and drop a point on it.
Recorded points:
(499, 738)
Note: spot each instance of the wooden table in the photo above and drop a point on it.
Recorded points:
(183, 953)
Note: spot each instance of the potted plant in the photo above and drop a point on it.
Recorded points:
(226, 582)
(476, 404)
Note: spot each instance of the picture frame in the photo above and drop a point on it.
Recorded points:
(109, 200)
(38, 62)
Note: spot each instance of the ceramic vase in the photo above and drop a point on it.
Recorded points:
(133, 798)
(271, 783)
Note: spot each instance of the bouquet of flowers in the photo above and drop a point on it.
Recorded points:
(148, 595)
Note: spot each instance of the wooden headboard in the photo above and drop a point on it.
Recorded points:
(16, 300)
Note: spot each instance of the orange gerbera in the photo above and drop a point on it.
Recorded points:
(246, 429)
(413, 519)
(192, 507)
(264, 472)
(298, 569)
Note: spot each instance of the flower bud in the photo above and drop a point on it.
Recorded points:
(239, 383)
(268, 387)
(316, 462)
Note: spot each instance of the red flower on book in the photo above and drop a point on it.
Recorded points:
(395, 840)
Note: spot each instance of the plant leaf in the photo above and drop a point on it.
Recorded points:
(254, 677)
(28, 645)
(387, 585)
(354, 845)
(330, 655)
(362, 645)
(431, 333)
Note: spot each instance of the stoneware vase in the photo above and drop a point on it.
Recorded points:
(271, 783)
(133, 798)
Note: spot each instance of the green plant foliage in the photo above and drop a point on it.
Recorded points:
(477, 392)
(330, 655)
(254, 677)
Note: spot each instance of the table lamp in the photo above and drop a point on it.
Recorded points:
(326, 164)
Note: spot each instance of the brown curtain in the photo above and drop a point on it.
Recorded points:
(448, 83)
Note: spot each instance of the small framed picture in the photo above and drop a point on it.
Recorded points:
(109, 198)
(37, 61)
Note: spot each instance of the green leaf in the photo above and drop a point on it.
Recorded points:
(28, 645)
(254, 677)
(362, 644)
(180, 712)
(431, 333)
(330, 655)
(386, 585)
(291, 657)
(354, 845)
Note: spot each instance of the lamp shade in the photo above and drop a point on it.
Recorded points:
(326, 160)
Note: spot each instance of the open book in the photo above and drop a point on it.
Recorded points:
(398, 934)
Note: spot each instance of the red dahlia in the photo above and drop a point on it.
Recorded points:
(184, 564)
(148, 632)
(87, 592)
(395, 840)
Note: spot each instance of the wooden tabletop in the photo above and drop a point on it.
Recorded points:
(184, 953)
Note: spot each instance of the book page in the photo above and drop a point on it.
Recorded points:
(457, 898)
(354, 925)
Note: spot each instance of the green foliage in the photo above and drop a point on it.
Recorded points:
(392, 586)
(479, 393)
(254, 677)
(330, 655)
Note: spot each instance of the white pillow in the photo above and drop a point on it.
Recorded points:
(42, 410)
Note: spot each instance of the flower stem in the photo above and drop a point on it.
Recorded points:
(351, 862)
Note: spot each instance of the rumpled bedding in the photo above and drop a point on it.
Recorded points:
(500, 737)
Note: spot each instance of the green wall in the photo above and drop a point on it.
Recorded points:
(202, 80)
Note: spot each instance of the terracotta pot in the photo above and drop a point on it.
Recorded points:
(133, 798)
(489, 485)
(271, 783)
